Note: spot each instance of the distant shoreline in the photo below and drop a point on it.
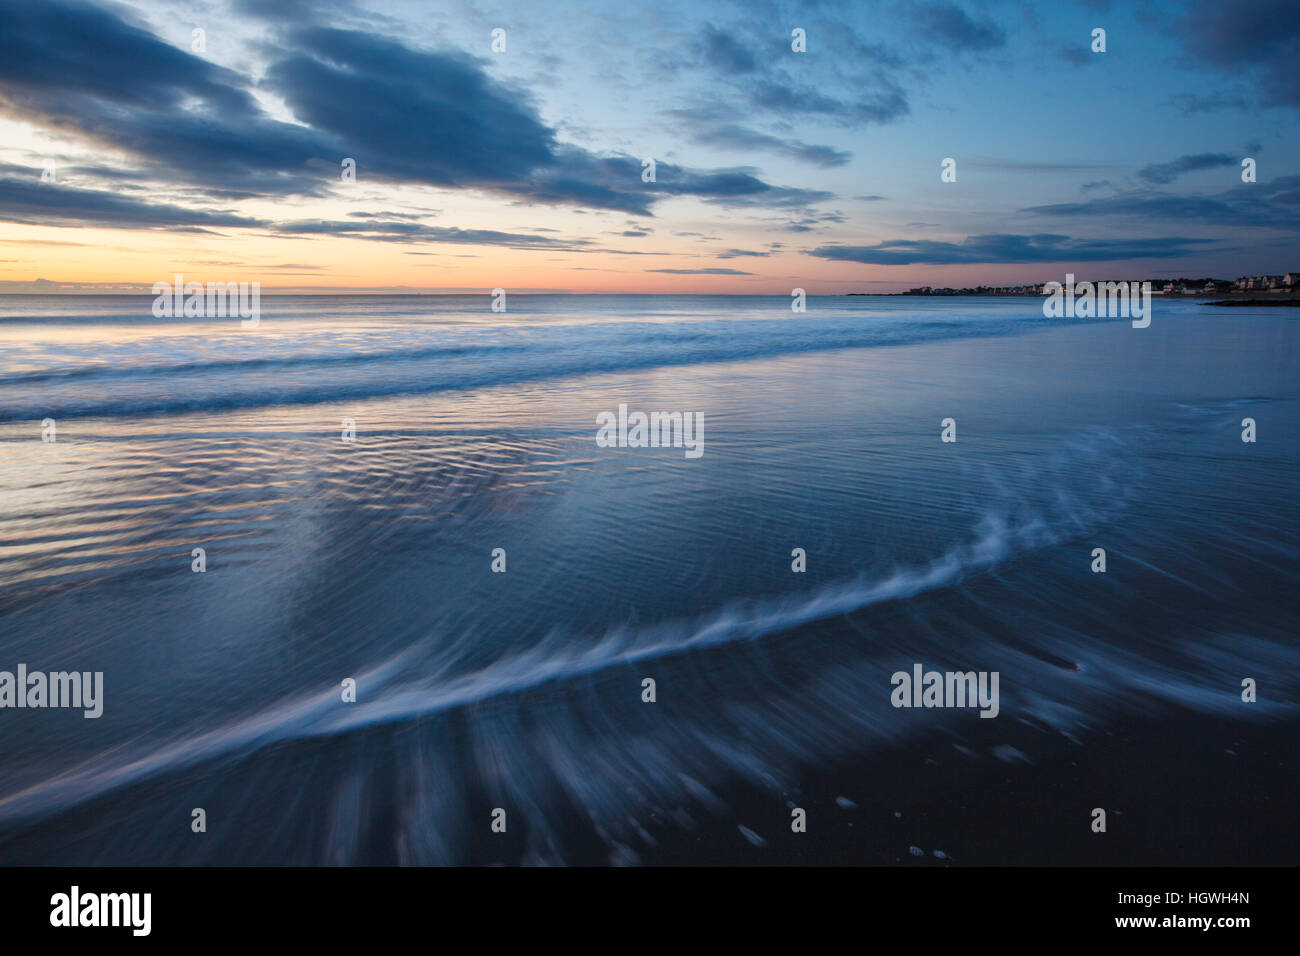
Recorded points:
(1292, 301)
(1253, 297)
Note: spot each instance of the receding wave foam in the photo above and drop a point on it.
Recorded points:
(558, 658)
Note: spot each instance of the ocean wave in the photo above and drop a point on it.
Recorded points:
(148, 378)
(249, 365)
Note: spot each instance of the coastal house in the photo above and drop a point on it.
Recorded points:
(1265, 282)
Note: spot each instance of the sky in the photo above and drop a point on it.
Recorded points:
(139, 140)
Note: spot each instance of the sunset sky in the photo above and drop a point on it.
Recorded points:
(522, 169)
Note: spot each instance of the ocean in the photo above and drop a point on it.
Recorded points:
(407, 492)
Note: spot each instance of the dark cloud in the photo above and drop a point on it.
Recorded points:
(406, 116)
(78, 69)
(298, 10)
(758, 77)
(402, 231)
(387, 215)
(1273, 204)
(994, 249)
(735, 136)
(1146, 206)
(1257, 39)
(809, 223)
(948, 24)
(790, 99)
(721, 50)
(409, 115)
(702, 272)
(748, 191)
(32, 202)
(1165, 173)
(65, 53)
